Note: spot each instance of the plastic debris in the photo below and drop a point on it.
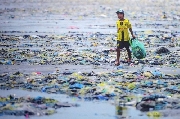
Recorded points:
(27, 106)
(162, 50)
(72, 53)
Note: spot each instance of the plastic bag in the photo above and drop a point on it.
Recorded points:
(138, 49)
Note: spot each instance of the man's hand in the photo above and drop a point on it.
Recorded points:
(130, 29)
(134, 36)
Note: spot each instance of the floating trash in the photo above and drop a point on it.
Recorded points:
(27, 106)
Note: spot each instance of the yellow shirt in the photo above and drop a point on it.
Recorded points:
(122, 30)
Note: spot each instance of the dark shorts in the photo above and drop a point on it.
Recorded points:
(123, 44)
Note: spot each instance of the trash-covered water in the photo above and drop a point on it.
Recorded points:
(87, 109)
(65, 50)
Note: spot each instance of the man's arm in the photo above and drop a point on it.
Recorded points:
(117, 27)
(130, 29)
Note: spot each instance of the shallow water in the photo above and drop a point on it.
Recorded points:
(86, 110)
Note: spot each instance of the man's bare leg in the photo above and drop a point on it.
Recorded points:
(118, 56)
(129, 55)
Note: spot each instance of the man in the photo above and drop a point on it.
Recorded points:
(123, 35)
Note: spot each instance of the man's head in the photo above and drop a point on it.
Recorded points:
(120, 14)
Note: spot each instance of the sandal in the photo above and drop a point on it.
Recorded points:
(117, 64)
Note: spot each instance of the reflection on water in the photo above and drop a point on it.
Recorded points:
(121, 111)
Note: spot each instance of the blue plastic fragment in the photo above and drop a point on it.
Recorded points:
(76, 85)
(156, 73)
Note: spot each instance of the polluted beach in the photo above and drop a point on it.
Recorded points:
(91, 59)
